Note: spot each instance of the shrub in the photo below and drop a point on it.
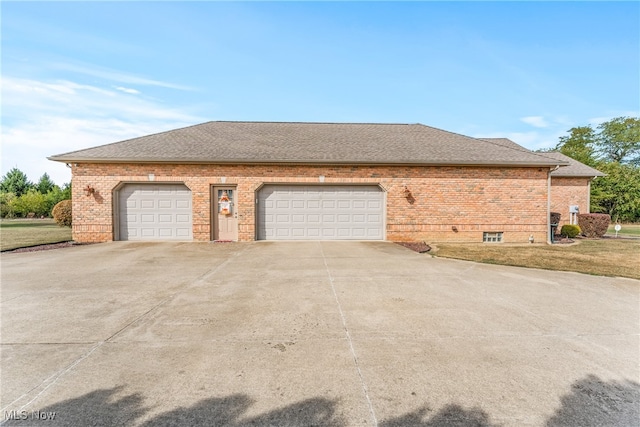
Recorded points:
(62, 213)
(594, 225)
(570, 230)
(555, 217)
(31, 202)
(53, 197)
(6, 205)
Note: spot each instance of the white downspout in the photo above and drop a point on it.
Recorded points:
(589, 195)
(549, 236)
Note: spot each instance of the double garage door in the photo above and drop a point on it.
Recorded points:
(322, 212)
(155, 212)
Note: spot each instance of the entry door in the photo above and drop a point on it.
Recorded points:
(224, 215)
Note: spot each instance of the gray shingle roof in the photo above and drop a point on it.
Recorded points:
(575, 168)
(324, 143)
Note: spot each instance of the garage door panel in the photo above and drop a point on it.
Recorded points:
(183, 232)
(155, 212)
(320, 212)
(183, 218)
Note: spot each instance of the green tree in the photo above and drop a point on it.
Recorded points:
(16, 182)
(579, 145)
(30, 202)
(6, 205)
(66, 191)
(53, 197)
(45, 184)
(618, 193)
(619, 140)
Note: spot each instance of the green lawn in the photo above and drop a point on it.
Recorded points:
(21, 233)
(602, 257)
(628, 230)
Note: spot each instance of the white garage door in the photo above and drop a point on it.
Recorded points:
(155, 212)
(290, 212)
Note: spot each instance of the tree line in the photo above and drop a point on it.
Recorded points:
(613, 148)
(20, 198)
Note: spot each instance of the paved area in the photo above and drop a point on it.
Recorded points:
(310, 333)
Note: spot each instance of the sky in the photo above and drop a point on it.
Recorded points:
(80, 74)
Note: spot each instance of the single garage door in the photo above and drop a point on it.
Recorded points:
(322, 212)
(155, 212)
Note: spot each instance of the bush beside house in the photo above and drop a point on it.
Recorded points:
(594, 225)
(62, 213)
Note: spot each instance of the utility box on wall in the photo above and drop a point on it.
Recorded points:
(573, 214)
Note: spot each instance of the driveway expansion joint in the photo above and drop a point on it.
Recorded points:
(365, 390)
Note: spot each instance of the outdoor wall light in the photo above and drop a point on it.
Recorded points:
(407, 192)
(89, 190)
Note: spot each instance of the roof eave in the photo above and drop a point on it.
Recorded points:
(583, 175)
(306, 162)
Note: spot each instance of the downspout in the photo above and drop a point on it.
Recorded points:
(589, 194)
(549, 236)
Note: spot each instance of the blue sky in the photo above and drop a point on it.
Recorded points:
(80, 74)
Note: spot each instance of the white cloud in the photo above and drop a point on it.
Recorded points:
(118, 76)
(536, 121)
(127, 90)
(43, 118)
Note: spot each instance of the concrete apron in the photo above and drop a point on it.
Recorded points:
(310, 333)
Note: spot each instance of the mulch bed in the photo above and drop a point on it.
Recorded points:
(41, 247)
(562, 240)
(419, 247)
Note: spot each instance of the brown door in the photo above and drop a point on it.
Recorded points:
(224, 215)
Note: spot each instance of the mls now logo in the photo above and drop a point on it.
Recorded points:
(16, 415)
(24, 415)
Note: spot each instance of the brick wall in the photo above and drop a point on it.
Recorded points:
(471, 199)
(569, 191)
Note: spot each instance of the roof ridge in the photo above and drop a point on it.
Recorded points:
(313, 123)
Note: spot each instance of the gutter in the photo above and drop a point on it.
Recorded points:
(65, 159)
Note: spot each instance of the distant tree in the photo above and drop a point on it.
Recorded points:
(615, 150)
(579, 145)
(66, 191)
(619, 140)
(52, 198)
(618, 193)
(6, 205)
(30, 202)
(45, 184)
(16, 182)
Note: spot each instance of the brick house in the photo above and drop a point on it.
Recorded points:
(250, 181)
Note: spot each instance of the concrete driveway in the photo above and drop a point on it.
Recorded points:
(310, 334)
